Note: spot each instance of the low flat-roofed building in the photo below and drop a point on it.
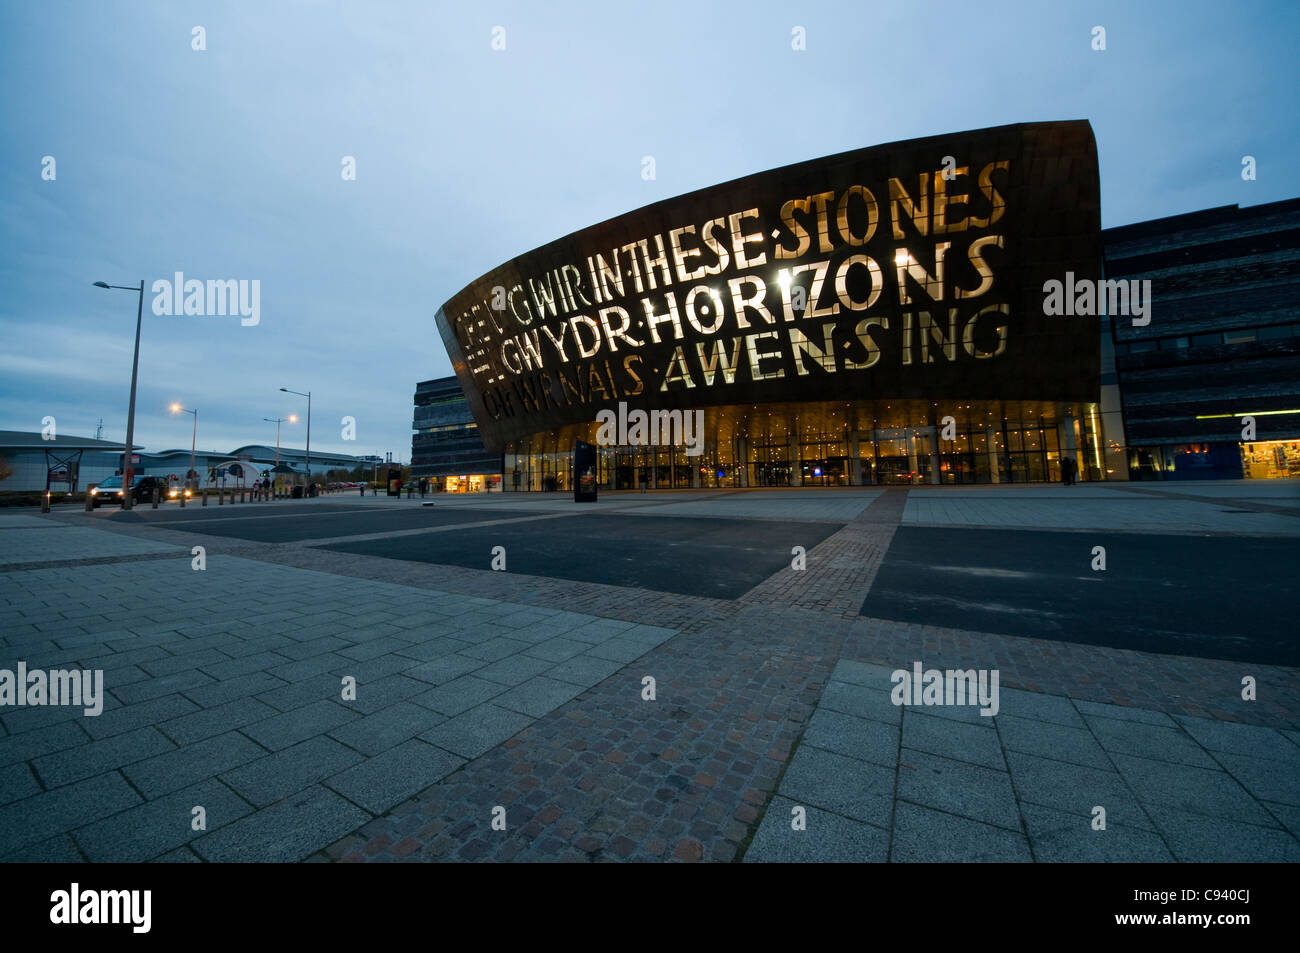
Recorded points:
(67, 462)
(77, 463)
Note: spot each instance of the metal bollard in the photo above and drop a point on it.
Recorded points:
(90, 502)
(182, 497)
(221, 497)
(45, 502)
(155, 497)
(205, 497)
(232, 496)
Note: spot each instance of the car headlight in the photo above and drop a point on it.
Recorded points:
(119, 492)
(95, 491)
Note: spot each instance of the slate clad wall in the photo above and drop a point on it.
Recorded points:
(1230, 270)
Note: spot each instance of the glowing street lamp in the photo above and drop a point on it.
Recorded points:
(308, 396)
(178, 409)
(292, 418)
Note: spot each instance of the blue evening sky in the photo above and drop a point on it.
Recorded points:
(225, 163)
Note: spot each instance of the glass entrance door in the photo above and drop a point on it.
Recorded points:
(893, 464)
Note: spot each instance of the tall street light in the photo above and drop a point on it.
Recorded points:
(292, 418)
(127, 472)
(300, 394)
(178, 409)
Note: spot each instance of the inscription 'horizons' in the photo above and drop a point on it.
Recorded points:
(883, 272)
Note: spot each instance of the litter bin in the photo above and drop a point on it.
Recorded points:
(297, 493)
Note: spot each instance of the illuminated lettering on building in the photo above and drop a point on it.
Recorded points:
(865, 274)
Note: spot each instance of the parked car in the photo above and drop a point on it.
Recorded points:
(175, 489)
(110, 490)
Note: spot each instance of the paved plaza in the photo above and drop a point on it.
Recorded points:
(351, 679)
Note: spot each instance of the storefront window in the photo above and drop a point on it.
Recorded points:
(1271, 460)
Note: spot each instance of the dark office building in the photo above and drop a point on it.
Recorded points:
(1222, 343)
(446, 447)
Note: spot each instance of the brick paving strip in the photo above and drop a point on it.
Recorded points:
(842, 568)
(606, 775)
(85, 561)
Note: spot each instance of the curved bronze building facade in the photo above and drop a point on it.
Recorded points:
(871, 317)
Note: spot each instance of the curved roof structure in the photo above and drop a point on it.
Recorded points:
(913, 270)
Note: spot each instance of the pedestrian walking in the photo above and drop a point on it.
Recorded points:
(1068, 469)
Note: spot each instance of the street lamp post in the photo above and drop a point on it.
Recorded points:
(178, 409)
(293, 419)
(127, 472)
(308, 396)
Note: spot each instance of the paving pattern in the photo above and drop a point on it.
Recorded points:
(876, 781)
(29, 540)
(205, 709)
(484, 696)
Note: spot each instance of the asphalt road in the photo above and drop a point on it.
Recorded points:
(1216, 596)
(1206, 596)
(718, 558)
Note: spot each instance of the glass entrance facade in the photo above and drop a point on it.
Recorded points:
(866, 443)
